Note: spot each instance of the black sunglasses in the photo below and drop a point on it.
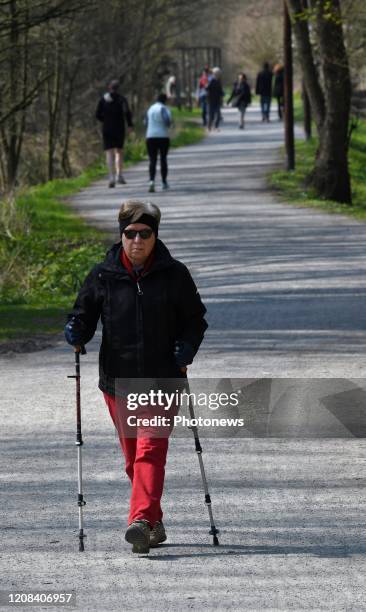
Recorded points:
(144, 233)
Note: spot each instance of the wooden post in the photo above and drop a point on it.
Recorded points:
(288, 98)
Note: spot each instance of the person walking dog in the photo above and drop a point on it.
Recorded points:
(158, 120)
(152, 326)
(113, 111)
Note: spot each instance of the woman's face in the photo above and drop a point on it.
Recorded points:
(138, 249)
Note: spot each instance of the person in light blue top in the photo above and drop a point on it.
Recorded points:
(158, 120)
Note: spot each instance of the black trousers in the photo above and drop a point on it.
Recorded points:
(214, 114)
(154, 147)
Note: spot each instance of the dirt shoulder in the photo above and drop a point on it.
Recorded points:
(29, 344)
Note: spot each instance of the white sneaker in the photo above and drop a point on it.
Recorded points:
(151, 187)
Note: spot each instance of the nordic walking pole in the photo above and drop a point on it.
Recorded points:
(213, 531)
(79, 443)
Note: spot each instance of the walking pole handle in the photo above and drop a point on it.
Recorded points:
(80, 349)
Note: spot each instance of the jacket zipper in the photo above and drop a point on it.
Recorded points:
(140, 329)
(139, 290)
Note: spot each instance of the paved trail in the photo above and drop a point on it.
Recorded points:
(285, 292)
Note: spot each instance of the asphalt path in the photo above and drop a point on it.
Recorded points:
(284, 288)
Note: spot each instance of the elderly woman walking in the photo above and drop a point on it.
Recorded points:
(153, 324)
(215, 96)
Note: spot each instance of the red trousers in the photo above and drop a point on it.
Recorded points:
(145, 457)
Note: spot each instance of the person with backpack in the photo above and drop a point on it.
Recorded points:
(113, 112)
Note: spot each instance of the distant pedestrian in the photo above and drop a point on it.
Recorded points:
(241, 97)
(171, 89)
(202, 93)
(278, 88)
(215, 95)
(264, 90)
(113, 111)
(158, 120)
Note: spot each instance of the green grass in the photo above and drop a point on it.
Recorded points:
(26, 320)
(187, 127)
(291, 187)
(46, 250)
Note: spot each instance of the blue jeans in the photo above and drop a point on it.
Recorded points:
(265, 106)
(203, 105)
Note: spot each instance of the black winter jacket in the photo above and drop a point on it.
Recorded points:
(278, 88)
(215, 92)
(141, 322)
(112, 111)
(264, 83)
(241, 91)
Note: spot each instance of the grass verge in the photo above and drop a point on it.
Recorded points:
(290, 185)
(46, 250)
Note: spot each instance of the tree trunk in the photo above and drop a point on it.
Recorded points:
(12, 160)
(53, 97)
(70, 78)
(288, 98)
(310, 73)
(330, 176)
(330, 102)
(307, 112)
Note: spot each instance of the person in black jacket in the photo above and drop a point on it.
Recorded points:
(264, 90)
(112, 111)
(215, 95)
(152, 326)
(242, 96)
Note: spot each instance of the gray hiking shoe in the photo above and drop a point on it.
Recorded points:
(157, 534)
(138, 534)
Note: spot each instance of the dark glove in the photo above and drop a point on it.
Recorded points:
(183, 353)
(75, 332)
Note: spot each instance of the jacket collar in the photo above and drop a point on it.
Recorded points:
(162, 259)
